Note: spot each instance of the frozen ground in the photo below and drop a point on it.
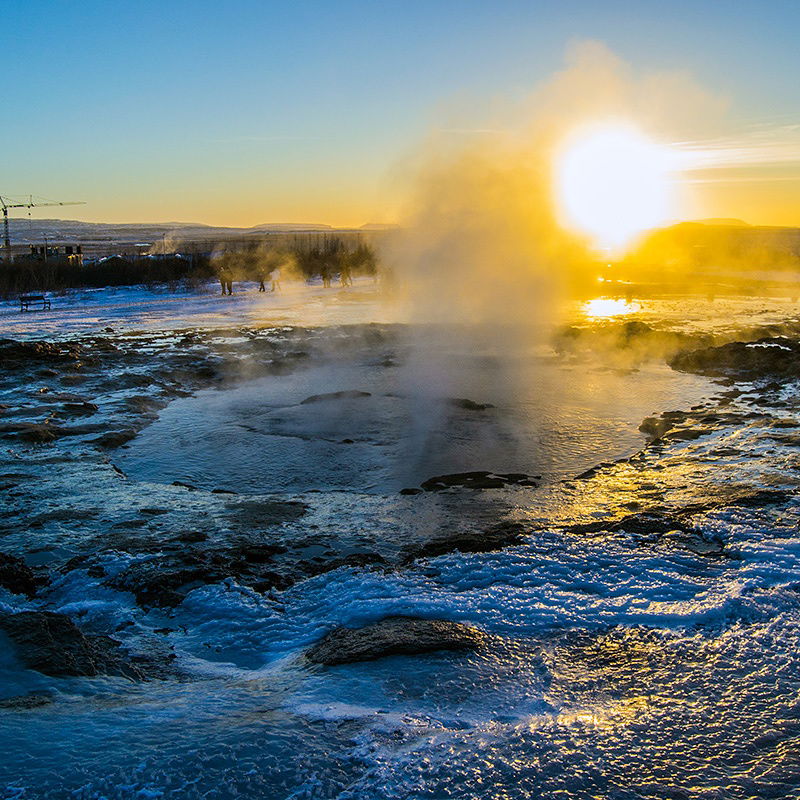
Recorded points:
(125, 308)
(641, 620)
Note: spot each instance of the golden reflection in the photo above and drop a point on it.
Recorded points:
(603, 307)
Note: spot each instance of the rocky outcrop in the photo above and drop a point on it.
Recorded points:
(16, 576)
(479, 480)
(25, 702)
(505, 534)
(394, 636)
(115, 438)
(53, 644)
(468, 405)
(32, 432)
(770, 357)
(19, 355)
(349, 394)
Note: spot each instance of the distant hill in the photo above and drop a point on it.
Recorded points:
(105, 238)
(720, 243)
(25, 231)
(728, 221)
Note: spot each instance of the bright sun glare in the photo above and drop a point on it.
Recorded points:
(613, 183)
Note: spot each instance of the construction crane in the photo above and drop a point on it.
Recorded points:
(6, 203)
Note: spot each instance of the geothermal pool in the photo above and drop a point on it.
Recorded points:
(641, 637)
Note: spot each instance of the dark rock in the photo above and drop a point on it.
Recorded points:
(394, 636)
(323, 565)
(685, 434)
(257, 553)
(769, 357)
(115, 438)
(411, 491)
(655, 427)
(592, 471)
(20, 355)
(506, 534)
(479, 480)
(26, 702)
(642, 524)
(467, 404)
(349, 394)
(81, 409)
(16, 576)
(53, 645)
(223, 491)
(192, 537)
(163, 582)
(33, 432)
(253, 514)
(188, 486)
(142, 404)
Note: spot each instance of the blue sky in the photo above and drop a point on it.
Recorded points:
(251, 112)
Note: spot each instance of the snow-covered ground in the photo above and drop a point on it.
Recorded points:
(126, 308)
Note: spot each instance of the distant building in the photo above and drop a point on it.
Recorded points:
(71, 253)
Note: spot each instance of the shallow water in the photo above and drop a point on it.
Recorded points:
(262, 436)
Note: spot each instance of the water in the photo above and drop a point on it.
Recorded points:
(560, 421)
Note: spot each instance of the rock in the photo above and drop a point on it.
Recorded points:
(16, 576)
(411, 491)
(255, 514)
(33, 432)
(350, 394)
(26, 702)
(115, 438)
(770, 357)
(655, 427)
(467, 404)
(394, 636)
(641, 524)
(191, 537)
(184, 485)
(20, 355)
(81, 409)
(478, 480)
(685, 434)
(164, 582)
(257, 553)
(142, 404)
(52, 644)
(506, 534)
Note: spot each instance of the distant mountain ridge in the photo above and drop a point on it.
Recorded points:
(23, 229)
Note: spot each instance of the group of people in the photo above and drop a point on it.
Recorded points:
(275, 279)
(274, 276)
(345, 276)
(226, 280)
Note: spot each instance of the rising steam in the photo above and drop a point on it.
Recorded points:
(483, 266)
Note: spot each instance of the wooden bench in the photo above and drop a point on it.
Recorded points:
(28, 300)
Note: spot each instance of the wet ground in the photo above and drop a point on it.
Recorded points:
(216, 498)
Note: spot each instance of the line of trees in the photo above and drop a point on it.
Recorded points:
(304, 257)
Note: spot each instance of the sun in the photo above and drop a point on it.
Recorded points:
(613, 183)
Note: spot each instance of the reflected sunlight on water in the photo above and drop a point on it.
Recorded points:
(600, 307)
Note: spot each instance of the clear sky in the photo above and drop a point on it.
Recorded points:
(244, 112)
